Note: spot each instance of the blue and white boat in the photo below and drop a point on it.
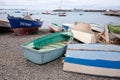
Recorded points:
(24, 25)
(97, 27)
(95, 59)
(66, 26)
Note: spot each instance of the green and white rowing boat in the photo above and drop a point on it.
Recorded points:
(47, 48)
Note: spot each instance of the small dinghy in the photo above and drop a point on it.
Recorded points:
(47, 48)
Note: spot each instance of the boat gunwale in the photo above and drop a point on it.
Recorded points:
(20, 18)
(43, 38)
(53, 35)
(39, 52)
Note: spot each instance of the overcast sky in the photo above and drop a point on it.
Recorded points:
(53, 4)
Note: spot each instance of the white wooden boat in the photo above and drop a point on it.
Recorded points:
(83, 33)
(4, 26)
(95, 59)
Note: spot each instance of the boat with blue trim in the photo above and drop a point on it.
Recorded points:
(25, 25)
(66, 26)
(95, 59)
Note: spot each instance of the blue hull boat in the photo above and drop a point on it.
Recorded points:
(24, 25)
(95, 59)
(67, 26)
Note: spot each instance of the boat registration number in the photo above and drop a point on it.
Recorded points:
(24, 24)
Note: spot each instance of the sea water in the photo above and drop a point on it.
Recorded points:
(72, 17)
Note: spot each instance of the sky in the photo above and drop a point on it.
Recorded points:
(54, 4)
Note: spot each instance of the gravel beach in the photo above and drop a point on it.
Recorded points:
(13, 66)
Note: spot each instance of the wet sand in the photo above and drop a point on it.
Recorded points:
(13, 66)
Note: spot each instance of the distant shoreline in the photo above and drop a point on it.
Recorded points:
(112, 13)
(71, 10)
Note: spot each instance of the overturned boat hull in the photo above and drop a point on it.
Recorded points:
(95, 59)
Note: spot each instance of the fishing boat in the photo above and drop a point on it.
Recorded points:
(96, 27)
(82, 32)
(55, 27)
(45, 12)
(4, 26)
(25, 25)
(62, 14)
(47, 48)
(94, 59)
(114, 30)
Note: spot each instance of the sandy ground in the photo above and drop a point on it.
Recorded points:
(13, 66)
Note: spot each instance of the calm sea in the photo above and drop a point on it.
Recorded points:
(72, 17)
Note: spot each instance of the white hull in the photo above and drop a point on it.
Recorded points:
(91, 70)
(116, 35)
(4, 24)
(84, 36)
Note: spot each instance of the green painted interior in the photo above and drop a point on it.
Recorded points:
(50, 41)
(115, 28)
(47, 47)
(52, 38)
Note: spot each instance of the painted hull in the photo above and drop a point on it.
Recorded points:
(115, 30)
(21, 25)
(66, 27)
(84, 36)
(24, 31)
(95, 59)
(4, 26)
(47, 48)
(43, 57)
